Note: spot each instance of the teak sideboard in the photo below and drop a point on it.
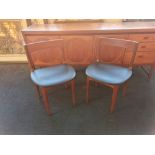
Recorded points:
(79, 41)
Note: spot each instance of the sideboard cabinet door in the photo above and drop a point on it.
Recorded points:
(78, 49)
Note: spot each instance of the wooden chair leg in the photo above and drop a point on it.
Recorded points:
(125, 86)
(37, 90)
(114, 97)
(87, 89)
(73, 91)
(45, 98)
(67, 85)
(150, 72)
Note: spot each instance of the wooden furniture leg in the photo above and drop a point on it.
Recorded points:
(125, 86)
(151, 72)
(73, 91)
(148, 73)
(114, 97)
(67, 85)
(87, 89)
(37, 90)
(45, 98)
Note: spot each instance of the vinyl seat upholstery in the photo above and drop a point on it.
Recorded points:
(108, 73)
(54, 75)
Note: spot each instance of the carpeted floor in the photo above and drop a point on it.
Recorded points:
(21, 112)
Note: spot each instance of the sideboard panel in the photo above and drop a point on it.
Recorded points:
(144, 37)
(36, 38)
(146, 50)
(142, 58)
(79, 49)
(119, 36)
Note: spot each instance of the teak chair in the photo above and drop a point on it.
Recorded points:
(41, 57)
(112, 75)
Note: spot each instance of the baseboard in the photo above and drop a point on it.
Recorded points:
(13, 58)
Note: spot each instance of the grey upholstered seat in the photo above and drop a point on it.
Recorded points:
(53, 75)
(110, 74)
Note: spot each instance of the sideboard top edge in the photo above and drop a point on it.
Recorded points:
(91, 28)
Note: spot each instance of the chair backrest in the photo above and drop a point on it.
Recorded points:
(104, 46)
(45, 53)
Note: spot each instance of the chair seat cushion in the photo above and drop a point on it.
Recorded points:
(110, 74)
(54, 75)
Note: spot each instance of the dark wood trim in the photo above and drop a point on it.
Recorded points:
(28, 22)
(45, 21)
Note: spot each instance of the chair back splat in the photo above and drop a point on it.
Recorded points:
(45, 53)
(106, 48)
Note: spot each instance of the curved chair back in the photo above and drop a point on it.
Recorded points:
(104, 46)
(45, 53)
